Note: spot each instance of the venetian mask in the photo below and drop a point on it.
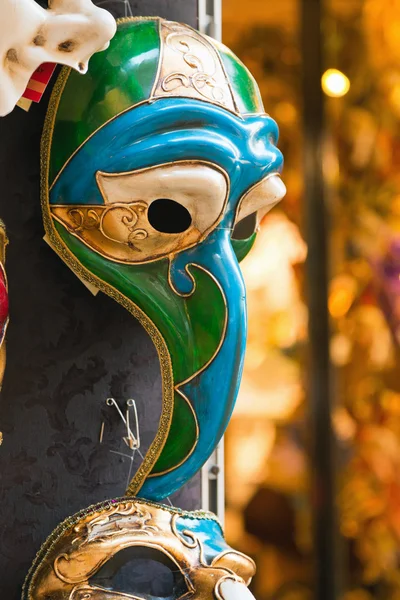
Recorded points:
(69, 32)
(151, 163)
(82, 557)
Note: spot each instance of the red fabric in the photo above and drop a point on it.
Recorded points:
(32, 95)
(44, 73)
(41, 75)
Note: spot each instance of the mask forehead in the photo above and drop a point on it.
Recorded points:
(149, 58)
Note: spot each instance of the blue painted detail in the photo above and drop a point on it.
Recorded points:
(209, 533)
(169, 130)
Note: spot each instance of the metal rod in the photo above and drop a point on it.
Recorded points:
(210, 17)
(322, 468)
(213, 474)
(213, 483)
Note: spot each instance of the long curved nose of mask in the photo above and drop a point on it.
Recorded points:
(195, 306)
(211, 273)
(262, 197)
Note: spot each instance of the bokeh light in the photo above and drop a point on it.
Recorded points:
(335, 83)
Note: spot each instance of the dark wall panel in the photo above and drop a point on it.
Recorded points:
(67, 352)
(176, 10)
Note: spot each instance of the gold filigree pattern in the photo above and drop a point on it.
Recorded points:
(191, 67)
(200, 80)
(122, 518)
(125, 519)
(117, 223)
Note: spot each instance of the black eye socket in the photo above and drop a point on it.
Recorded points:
(146, 572)
(245, 228)
(167, 216)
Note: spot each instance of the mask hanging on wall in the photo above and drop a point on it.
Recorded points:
(149, 162)
(82, 557)
(68, 33)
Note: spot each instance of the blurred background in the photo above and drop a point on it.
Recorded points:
(271, 504)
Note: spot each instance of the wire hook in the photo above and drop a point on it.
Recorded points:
(131, 441)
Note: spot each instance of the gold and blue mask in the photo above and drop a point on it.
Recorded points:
(84, 556)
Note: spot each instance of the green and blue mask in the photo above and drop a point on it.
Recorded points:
(151, 162)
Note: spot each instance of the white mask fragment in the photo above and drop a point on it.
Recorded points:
(69, 32)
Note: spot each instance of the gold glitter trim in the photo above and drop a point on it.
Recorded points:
(193, 448)
(66, 255)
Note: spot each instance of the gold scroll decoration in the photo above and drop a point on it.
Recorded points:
(191, 67)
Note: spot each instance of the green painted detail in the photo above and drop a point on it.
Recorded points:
(191, 333)
(117, 79)
(181, 437)
(243, 247)
(206, 325)
(190, 329)
(245, 89)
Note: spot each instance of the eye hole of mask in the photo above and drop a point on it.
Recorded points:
(145, 572)
(167, 216)
(245, 228)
